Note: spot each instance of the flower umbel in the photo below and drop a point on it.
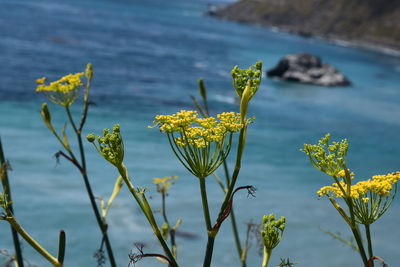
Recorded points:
(163, 184)
(371, 198)
(201, 144)
(62, 92)
(272, 230)
(328, 158)
(242, 77)
(246, 83)
(110, 146)
(271, 234)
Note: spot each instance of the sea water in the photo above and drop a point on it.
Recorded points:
(147, 57)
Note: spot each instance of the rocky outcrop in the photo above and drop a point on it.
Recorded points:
(306, 68)
(362, 22)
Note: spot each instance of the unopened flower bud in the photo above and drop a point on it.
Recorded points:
(46, 116)
(90, 138)
(89, 71)
(164, 230)
(202, 89)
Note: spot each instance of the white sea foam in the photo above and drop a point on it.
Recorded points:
(225, 99)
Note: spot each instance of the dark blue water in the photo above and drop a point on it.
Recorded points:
(147, 56)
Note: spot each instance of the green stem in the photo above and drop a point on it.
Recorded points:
(356, 233)
(231, 186)
(233, 222)
(171, 231)
(7, 195)
(237, 239)
(61, 247)
(147, 212)
(368, 234)
(267, 256)
(53, 260)
(204, 200)
(209, 251)
(357, 237)
(100, 222)
(211, 236)
(163, 211)
(353, 224)
(86, 106)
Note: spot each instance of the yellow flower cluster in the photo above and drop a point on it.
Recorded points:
(198, 132)
(342, 174)
(176, 122)
(200, 137)
(230, 121)
(163, 184)
(63, 92)
(379, 184)
(65, 85)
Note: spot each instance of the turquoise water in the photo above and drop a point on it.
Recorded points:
(147, 56)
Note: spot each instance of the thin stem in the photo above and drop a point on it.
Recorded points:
(100, 222)
(53, 260)
(7, 193)
(233, 222)
(211, 236)
(61, 247)
(86, 106)
(226, 171)
(147, 212)
(204, 200)
(171, 231)
(102, 225)
(368, 234)
(242, 140)
(267, 256)
(236, 237)
(163, 211)
(353, 227)
(360, 245)
(356, 232)
(71, 120)
(209, 251)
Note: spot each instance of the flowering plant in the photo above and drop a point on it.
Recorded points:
(366, 200)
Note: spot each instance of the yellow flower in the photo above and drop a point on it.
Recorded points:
(163, 184)
(201, 144)
(371, 198)
(379, 184)
(198, 132)
(62, 92)
(41, 80)
(342, 174)
(365, 199)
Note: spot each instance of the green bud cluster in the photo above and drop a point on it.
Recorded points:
(110, 146)
(243, 77)
(328, 158)
(272, 230)
(246, 83)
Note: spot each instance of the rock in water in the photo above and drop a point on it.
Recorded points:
(307, 68)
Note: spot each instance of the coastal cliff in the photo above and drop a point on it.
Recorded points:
(363, 22)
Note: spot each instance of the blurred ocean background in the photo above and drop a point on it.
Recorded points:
(147, 57)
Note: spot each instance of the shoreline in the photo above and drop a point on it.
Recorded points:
(223, 12)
